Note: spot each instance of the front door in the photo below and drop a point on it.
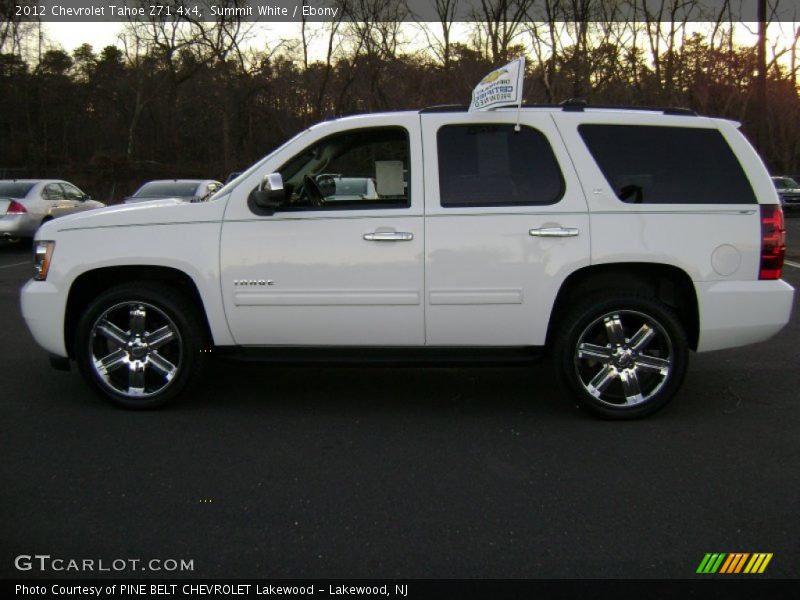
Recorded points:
(341, 262)
(74, 198)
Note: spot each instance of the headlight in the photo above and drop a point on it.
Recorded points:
(42, 254)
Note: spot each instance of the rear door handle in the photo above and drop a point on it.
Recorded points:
(389, 236)
(554, 232)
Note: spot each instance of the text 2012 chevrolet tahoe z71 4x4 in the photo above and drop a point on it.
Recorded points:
(617, 239)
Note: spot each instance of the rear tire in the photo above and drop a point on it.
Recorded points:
(621, 355)
(140, 345)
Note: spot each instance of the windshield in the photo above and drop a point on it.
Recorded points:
(229, 185)
(784, 183)
(14, 189)
(165, 189)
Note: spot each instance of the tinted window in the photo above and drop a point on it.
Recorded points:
(493, 165)
(165, 189)
(13, 189)
(366, 168)
(668, 165)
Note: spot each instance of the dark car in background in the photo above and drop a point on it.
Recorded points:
(788, 191)
(186, 190)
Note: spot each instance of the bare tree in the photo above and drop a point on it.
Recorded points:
(142, 67)
(761, 79)
(665, 28)
(499, 23)
(15, 32)
(373, 36)
(441, 45)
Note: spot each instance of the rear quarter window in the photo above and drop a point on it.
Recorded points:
(668, 165)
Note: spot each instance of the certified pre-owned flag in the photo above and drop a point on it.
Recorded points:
(502, 86)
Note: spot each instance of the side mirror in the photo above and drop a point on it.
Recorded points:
(268, 196)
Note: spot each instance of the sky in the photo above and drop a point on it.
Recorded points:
(71, 35)
(100, 35)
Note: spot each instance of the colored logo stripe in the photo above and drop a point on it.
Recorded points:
(721, 562)
(710, 563)
(734, 563)
(758, 563)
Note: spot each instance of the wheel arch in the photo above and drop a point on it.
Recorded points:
(91, 283)
(668, 283)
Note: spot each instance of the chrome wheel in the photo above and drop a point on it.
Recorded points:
(135, 349)
(624, 358)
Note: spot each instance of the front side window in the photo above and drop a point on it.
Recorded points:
(71, 192)
(367, 168)
(668, 165)
(52, 191)
(494, 165)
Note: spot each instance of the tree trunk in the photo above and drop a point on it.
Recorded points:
(137, 112)
(761, 79)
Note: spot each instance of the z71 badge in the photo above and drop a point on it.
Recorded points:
(248, 282)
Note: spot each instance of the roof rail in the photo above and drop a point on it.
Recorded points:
(444, 108)
(578, 105)
(570, 105)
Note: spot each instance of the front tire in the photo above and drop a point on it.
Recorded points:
(140, 345)
(621, 356)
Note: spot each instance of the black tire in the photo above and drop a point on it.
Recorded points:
(158, 357)
(611, 345)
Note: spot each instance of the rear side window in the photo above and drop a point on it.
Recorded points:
(493, 165)
(668, 165)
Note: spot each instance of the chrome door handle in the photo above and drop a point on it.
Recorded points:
(554, 232)
(389, 236)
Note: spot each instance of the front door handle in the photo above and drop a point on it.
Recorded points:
(389, 236)
(554, 232)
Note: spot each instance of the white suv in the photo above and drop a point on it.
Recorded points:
(617, 239)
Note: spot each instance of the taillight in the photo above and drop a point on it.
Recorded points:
(773, 242)
(15, 208)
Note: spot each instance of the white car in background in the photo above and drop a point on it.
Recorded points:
(25, 204)
(788, 191)
(184, 190)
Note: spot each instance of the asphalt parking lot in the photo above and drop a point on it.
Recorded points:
(370, 472)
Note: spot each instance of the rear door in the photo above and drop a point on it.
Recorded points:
(506, 223)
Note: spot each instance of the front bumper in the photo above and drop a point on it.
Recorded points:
(43, 309)
(737, 313)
